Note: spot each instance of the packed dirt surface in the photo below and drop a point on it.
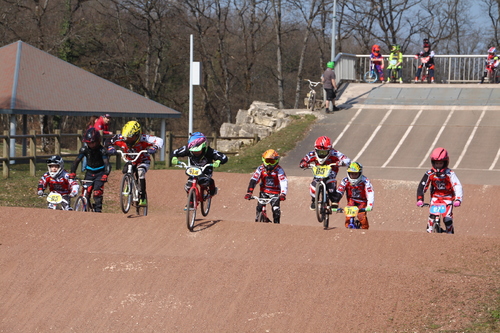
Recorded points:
(88, 272)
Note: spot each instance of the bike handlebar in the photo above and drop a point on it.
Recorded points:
(312, 83)
(341, 210)
(264, 201)
(124, 155)
(181, 164)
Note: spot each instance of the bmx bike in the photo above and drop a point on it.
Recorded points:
(129, 188)
(437, 211)
(352, 213)
(491, 73)
(424, 75)
(323, 204)
(56, 201)
(262, 215)
(83, 201)
(197, 194)
(371, 76)
(394, 72)
(311, 95)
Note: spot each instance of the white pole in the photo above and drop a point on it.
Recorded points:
(190, 85)
(333, 28)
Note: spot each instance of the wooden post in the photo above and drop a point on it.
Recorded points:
(153, 155)
(33, 153)
(214, 143)
(118, 157)
(6, 154)
(57, 143)
(168, 148)
(255, 138)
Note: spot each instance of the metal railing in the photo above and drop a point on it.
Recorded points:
(448, 68)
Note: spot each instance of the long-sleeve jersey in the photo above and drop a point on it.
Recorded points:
(208, 157)
(396, 56)
(424, 54)
(144, 142)
(359, 194)
(273, 182)
(61, 184)
(444, 185)
(334, 157)
(97, 160)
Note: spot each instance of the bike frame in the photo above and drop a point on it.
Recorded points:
(264, 202)
(352, 213)
(56, 199)
(85, 196)
(195, 194)
(437, 211)
(311, 98)
(371, 76)
(323, 207)
(129, 195)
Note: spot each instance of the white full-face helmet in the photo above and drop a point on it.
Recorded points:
(55, 160)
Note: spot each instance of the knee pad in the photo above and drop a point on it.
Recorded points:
(141, 173)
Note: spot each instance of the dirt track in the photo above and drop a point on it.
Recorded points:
(82, 272)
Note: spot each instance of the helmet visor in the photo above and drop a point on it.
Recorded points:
(270, 161)
(322, 153)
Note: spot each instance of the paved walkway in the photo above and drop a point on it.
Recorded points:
(394, 140)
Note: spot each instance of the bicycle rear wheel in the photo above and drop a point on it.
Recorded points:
(81, 204)
(319, 198)
(126, 193)
(370, 77)
(205, 203)
(191, 209)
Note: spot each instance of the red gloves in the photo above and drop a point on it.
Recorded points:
(104, 178)
(282, 197)
(71, 175)
(303, 164)
(248, 196)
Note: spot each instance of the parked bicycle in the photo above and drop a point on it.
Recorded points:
(352, 213)
(262, 215)
(197, 194)
(83, 202)
(129, 188)
(438, 211)
(371, 76)
(491, 73)
(394, 72)
(311, 95)
(56, 201)
(323, 204)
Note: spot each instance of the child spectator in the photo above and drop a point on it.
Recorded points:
(273, 183)
(427, 57)
(395, 62)
(378, 61)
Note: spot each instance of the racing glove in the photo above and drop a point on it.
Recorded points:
(303, 164)
(152, 150)
(368, 209)
(248, 196)
(282, 197)
(456, 203)
(216, 164)
(40, 193)
(175, 160)
(420, 203)
(71, 175)
(111, 150)
(104, 178)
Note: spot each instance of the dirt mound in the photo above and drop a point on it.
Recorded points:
(82, 272)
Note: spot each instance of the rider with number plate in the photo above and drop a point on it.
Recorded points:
(58, 180)
(98, 166)
(132, 140)
(273, 182)
(200, 154)
(359, 192)
(444, 185)
(324, 154)
(426, 53)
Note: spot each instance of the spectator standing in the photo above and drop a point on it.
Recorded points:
(102, 124)
(330, 85)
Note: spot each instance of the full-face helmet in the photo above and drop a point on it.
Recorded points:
(395, 48)
(197, 143)
(55, 160)
(270, 159)
(491, 52)
(439, 155)
(375, 48)
(354, 173)
(132, 132)
(322, 148)
(92, 135)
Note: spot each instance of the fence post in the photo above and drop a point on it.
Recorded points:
(33, 153)
(6, 154)
(118, 157)
(57, 142)
(214, 143)
(153, 155)
(168, 148)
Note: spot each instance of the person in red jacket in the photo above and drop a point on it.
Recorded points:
(102, 124)
(444, 185)
(273, 183)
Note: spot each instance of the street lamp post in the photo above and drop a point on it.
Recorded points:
(333, 28)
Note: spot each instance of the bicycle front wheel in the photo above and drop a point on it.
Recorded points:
(370, 77)
(312, 102)
(205, 203)
(319, 198)
(81, 204)
(191, 209)
(126, 192)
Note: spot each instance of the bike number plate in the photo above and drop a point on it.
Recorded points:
(54, 198)
(393, 62)
(351, 211)
(193, 171)
(437, 209)
(321, 171)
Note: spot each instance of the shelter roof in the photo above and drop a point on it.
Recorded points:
(34, 82)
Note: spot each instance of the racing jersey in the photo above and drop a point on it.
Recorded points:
(334, 157)
(208, 157)
(273, 182)
(97, 160)
(360, 194)
(144, 142)
(62, 184)
(424, 54)
(444, 185)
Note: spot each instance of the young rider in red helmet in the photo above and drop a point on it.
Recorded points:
(445, 186)
(324, 154)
